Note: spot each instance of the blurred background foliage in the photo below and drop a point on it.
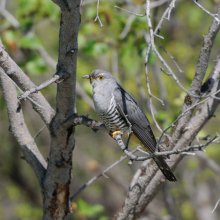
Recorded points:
(122, 52)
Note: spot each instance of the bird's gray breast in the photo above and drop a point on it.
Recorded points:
(110, 116)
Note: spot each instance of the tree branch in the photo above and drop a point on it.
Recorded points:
(20, 131)
(100, 175)
(55, 78)
(151, 181)
(24, 82)
(97, 15)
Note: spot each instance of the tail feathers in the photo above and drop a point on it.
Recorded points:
(165, 169)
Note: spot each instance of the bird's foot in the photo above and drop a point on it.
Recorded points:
(116, 132)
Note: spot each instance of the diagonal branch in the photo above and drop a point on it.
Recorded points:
(20, 131)
(24, 82)
(30, 99)
(201, 116)
(55, 78)
(100, 175)
(206, 11)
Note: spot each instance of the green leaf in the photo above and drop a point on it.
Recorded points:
(100, 48)
(29, 42)
(89, 210)
(162, 115)
(26, 6)
(36, 66)
(103, 218)
(93, 48)
(187, 211)
(88, 48)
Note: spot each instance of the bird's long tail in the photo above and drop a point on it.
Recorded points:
(165, 169)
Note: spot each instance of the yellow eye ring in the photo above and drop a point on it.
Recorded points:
(101, 77)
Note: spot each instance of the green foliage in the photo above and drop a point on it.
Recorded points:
(24, 211)
(187, 211)
(89, 210)
(29, 42)
(192, 163)
(93, 48)
(36, 66)
(39, 9)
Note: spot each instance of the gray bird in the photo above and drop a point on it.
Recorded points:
(115, 107)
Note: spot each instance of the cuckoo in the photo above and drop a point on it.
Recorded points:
(118, 111)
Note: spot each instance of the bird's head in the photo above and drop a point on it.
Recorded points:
(99, 77)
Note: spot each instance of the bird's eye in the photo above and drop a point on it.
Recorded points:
(101, 77)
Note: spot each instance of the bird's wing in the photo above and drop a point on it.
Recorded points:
(140, 125)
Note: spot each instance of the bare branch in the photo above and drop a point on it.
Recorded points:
(158, 54)
(30, 99)
(38, 133)
(52, 63)
(20, 131)
(130, 12)
(95, 125)
(202, 65)
(8, 16)
(171, 57)
(216, 205)
(150, 181)
(97, 15)
(153, 5)
(55, 78)
(100, 174)
(84, 120)
(148, 88)
(24, 82)
(206, 11)
(185, 113)
(168, 10)
(127, 27)
(195, 124)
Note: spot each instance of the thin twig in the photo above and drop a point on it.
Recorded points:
(164, 16)
(215, 206)
(153, 5)
(171, 57)
(183, 114)
(152, 33)
(100, 174)
(130, 12)
(97, 15)
(148, 88)
(38, 133)
(30, 99)
(42, 85)
(215, 16)
(172, 5)
(165, 153)
(127, 27)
